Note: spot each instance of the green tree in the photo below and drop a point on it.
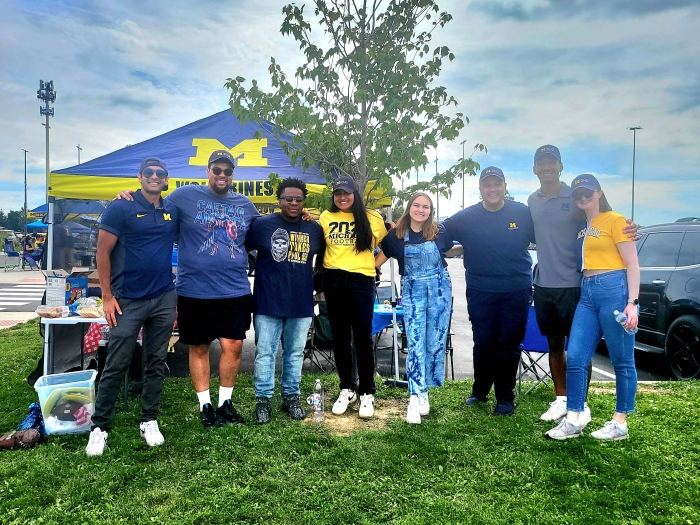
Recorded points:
(15, 220)
(366, 105)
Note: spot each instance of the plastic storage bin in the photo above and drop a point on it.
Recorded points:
(67, 401)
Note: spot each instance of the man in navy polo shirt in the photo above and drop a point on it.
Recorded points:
(134, 250)
(495, 235)
(283, 296)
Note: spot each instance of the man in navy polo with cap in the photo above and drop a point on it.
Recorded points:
(557, 275)
(134, 266)
(495, 235)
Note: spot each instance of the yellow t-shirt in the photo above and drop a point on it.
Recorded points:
(600, 242)
(339, 232)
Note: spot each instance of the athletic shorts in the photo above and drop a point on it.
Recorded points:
(202, 320)
(555, 308)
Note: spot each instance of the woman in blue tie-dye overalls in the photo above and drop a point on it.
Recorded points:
(417, 243)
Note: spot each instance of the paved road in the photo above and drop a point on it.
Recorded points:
(22, 296)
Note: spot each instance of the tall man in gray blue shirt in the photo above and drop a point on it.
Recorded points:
(557, 279)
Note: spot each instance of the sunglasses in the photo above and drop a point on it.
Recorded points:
(292, 199)
(578, 195)
(217, 171)
(148, 173)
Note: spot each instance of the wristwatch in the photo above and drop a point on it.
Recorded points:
(635, 302)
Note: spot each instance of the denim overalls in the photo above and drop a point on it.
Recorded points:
(427, 301)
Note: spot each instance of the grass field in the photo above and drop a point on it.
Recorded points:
(460, 466)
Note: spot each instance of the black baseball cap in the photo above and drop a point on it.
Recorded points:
(221, 155)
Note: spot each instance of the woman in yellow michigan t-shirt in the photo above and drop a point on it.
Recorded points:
(351, 232)
(610, 283)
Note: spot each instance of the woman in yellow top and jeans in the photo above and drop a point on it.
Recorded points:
(351, 233)
(610, 282)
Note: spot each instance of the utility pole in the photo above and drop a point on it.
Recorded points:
(634, 147)
(25, 191)
(48, 96)
(437, 208)
(79, 150)
(464, 190)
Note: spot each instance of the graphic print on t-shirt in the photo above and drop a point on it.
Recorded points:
(341, 233)
(279, 244)
(223, 222)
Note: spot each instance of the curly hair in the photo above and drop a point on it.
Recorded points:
(291, 183)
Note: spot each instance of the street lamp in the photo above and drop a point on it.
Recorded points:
(79, 150)
(463, 188)
(48, 96)
(634, 147)
(25, 191)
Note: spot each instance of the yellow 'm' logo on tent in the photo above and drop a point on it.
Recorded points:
(249, 152)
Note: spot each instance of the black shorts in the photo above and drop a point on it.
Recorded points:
(555, 308)
(202, 320)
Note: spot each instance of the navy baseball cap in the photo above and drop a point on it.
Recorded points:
(547, 149)
(221, 155)
(345, 183)
(585, 181)
(152, 161)
(492, 171)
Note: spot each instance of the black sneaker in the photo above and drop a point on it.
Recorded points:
(292, 406)
(228, 413)
(504, 408)
(209, 417)
(474, 400)
(262, 410)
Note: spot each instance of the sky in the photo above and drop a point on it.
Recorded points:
(573, 73)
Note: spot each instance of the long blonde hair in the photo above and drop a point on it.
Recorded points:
(430, 229)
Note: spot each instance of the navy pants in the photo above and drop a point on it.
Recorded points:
(498, 324)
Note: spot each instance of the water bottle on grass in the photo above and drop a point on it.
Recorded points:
(621, 318)
(318, 401)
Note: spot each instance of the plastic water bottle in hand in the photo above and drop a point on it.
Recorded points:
(621, 318)
(318, 401)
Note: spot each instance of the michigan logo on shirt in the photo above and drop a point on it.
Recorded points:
(512, 226)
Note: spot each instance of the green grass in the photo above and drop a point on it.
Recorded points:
(460, 466)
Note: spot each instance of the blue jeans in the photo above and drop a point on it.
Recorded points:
(600, 296)
(269, 332)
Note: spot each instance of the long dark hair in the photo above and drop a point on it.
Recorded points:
(363, 230)
(430, 229)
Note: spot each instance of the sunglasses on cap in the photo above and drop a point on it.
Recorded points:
(148, 172)
(288, 198)
(217, 171)
(580, 194)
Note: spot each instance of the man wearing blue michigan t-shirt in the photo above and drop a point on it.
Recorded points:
(134, 266)
(283, 296)
(495, 235)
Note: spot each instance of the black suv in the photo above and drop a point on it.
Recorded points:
(669, 296)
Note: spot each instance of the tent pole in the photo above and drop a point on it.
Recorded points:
(49, 237)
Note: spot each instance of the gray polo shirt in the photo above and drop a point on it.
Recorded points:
(555, 231)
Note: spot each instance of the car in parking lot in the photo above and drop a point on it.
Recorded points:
(669, 296)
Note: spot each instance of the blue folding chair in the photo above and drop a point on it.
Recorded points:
(533, 349)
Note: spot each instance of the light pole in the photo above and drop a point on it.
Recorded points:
(437, 209)
(25, 191)
(463, 188)
(79, 150)
(48, 96)
(634, 147)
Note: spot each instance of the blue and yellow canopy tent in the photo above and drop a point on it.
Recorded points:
(186, 151)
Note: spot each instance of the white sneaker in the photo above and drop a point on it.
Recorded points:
(366, 406)
(584, 417)
(556, 411)
(151, 433)
(346, 397)
(423, 404)
(97, 442)
(564, 430)
(413, 411)
(611, 431)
